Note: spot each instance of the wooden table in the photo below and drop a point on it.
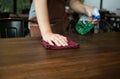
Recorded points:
(97, 58)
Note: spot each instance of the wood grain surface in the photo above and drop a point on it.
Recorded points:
(97, 58)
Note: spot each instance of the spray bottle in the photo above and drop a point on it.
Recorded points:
(83, 26)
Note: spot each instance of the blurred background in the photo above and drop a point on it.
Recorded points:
(18, 10)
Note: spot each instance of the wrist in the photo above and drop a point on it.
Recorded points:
(46, 32)
(88, 10)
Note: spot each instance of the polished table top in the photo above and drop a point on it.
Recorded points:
(97, 58)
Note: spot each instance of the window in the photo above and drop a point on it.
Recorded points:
(23, 6)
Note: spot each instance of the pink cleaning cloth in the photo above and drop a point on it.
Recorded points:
(71, 44)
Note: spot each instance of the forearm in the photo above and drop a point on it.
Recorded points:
(42, 16)
(78, 7)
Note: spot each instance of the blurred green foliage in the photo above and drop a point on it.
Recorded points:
(7, 5)
(22, 4)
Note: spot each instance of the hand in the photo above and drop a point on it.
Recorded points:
(89, 11)
(55, 39)
(93, 21)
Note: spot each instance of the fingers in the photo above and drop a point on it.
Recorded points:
(61, 41)
(56, 39)
(93, 21)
